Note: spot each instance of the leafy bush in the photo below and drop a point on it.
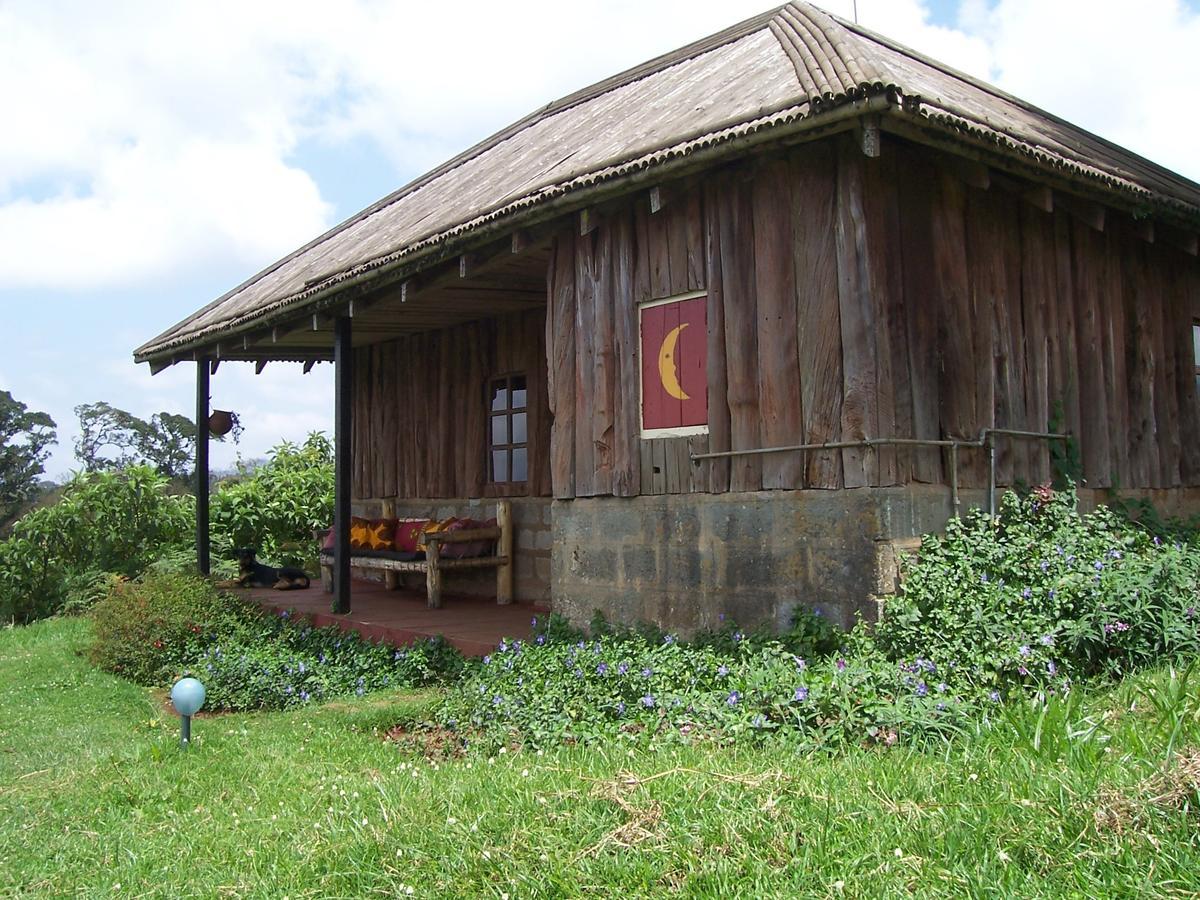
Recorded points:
(294, 664)
(1043, 594)
(116, 522)
(276, 508)
(548, 692)
(149, 629)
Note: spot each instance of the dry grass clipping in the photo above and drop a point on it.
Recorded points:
(1173, 788)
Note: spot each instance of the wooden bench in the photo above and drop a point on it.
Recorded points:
(435, 564)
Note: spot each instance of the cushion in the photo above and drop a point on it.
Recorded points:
(372, 534)
(470, 548)
(435, 527)
(327, 544)
(408, 534)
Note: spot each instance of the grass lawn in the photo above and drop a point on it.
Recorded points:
(97, 799)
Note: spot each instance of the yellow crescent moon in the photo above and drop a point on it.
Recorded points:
(666, 364)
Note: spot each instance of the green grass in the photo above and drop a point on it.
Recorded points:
(95, 794)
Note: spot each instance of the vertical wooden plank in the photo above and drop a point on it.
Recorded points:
(1037, 295)
(989, 320)
(560, 351)
(585, 368)
(716, 471)
(1112, 317)
(741, 331)
(920, 309)
(1067, 368)
(818, 322)
(697, 481)
(539, 413)
(1144, 469)
(646, 466)
(446, 437)
(856, 306)
(694, 222)
(778, 355)
(659, 251)
(892, 394)
(604, 362)
(658, 468)
(641, 254)
(1095, 442)
(677, 246)
(1182, 291)
(475, 423)
(626, 478)
(392, 404)
(956, 391)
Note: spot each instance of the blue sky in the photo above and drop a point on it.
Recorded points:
(157, 154)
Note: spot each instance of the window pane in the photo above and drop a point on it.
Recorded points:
(499, 465)
(499, 430)
(518, 392)
(499, 396)
(1196, 343)
(520, 464)
(518, 428)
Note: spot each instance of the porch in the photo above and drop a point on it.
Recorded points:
(474, 625)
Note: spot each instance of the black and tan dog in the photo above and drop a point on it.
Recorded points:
(252, 573)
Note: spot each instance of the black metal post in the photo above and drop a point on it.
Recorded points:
(185, 731)
(343, 383)
(202, 558)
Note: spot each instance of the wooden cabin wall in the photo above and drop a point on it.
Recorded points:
(420, 412)
(851, 297)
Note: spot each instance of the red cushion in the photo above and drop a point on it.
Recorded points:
(470, 548)
(408, 533)
(327, 544)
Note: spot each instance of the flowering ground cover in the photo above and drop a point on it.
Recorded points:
(1092, 794)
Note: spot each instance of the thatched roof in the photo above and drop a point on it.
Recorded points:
(791, 69)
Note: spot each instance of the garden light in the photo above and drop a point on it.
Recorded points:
(187, 697)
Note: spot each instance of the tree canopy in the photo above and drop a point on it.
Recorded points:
(111, 438)
(25, 439)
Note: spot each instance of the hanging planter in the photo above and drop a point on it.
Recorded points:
(221, 422)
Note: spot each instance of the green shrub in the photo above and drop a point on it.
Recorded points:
(1043, 594)
(116, 522)
(276, 508)
(148, 630)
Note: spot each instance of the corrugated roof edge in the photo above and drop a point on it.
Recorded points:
(629, 76)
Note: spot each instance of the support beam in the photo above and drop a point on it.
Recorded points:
(260, 365)
(588, 220)
(871, 144)
(308, 364)
(1040, 197)
(1144, 228)
(212, 365)
(658, 198)
(202, 558)
(343, 388)
(466, 265)
(520, 241)
(1089, 212)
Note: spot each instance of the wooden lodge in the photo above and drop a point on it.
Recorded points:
(796, 237)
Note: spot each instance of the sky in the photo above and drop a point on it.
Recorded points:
(157, 154)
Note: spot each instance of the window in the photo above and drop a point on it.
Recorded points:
(1196, 352)
(508, 430)
(674, 376)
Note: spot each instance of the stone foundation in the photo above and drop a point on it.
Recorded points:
(683, 560)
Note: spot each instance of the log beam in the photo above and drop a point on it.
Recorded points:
(202, 544)
(343, 391)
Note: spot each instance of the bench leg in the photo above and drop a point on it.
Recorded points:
(327, 578)
(504, 573)
(433, 576)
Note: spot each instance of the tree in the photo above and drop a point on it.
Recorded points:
(111, 438)
(25, 439)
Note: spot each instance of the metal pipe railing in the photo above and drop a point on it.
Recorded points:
(985, 441)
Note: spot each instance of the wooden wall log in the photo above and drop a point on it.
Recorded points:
(856, 308)
(626, 459)
(719, 438)
(585, 370)
(1088, 274)
(989, 321)
(741, 333)
(1113, 244)
(560, 351)
(604, 361)
(1067, 369)
(779, 380)
(1144, 467)
(1041, 333)
(818, 319)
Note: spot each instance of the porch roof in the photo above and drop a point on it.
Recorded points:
(790, 70)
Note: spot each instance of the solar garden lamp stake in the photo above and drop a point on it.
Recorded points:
(187, 696)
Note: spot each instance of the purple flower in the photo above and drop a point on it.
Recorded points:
(1021, 670)
(541, 639)
(622, 668)
(801, 694)
(497, 700)
(721, 617)
(1045, 564)
(301, 668)
(1070, 558)
(359, 690)
(722, 670)
(1051, 668)
(1114, 554)
(994, 696)
(648, 701)
(1027, 593)
(737, 636)
(941, 688)
(602, 669)
(1023, 650)
(620, 707)
(801, 665)
(534, 622)
(669, 639)
(922, 689)
(503, 646)
(1191, 612)
(487, 660)
(283, 614)
(983, 579)
(759, 721)
(733, 698)
(841, 665)
(304, 696)
(1098, 566)
(1046, 640)
(647, 672)
(941, 706)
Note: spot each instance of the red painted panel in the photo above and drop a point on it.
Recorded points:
(674, 360)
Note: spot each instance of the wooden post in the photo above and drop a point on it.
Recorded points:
(202, 555)
(343, 383)
(433, 579)
(504, 574)
(391, 578)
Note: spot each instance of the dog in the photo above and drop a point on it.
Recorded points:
(252, 573)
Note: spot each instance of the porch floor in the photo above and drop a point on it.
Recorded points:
(474, 625)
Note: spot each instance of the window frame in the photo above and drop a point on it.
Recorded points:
(648, 434)
(509, 446)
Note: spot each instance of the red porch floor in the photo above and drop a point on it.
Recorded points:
(474, 626)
